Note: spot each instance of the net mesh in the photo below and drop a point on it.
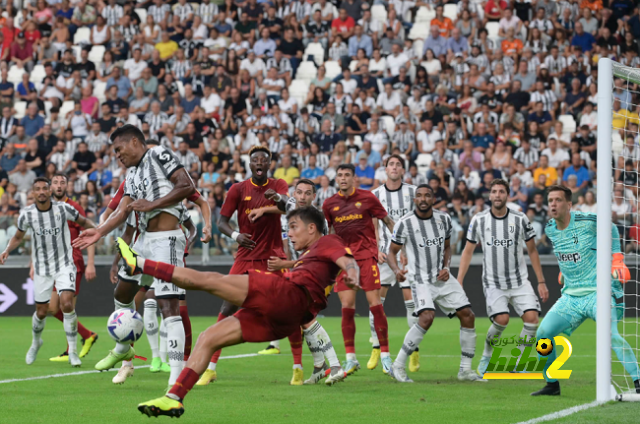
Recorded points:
(625, 146)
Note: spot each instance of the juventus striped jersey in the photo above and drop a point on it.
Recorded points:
(150, 180)
(502, 243)
(397, 203)
(424, 241)
(52, 249)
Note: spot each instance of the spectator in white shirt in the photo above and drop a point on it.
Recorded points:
(389, 101)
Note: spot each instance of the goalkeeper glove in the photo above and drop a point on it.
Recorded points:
(619, 270)
(560, 279)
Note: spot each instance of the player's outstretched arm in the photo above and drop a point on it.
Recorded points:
(92, 235)
(205, 210)
(192, 232)
(465, 260)
(85, 223)
(15, 241)
(537, 268)
(183, 187)
(349, 265)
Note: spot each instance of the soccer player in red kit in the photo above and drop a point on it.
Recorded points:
(59, 194)
(274, 304)
(257, 242)
(351, 214)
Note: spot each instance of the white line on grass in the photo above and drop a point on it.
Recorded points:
(562, 413)
(68, 374)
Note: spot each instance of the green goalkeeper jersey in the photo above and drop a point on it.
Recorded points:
(576, 247)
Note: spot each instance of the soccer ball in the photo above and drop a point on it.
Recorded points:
(125, 326)
(544, 347)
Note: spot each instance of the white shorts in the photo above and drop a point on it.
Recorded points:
(65, 280)
(161, 246)
(388, 278)
(522, 299)
(448, 295)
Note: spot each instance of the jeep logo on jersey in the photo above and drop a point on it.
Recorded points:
(569, 257)
(399, 213)
(141, 187)
(42, 231)
(438, 241)
(500, 242)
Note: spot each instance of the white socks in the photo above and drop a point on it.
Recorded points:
(528, 331)
(410, 306)
(151, 325)
(162, 350)
(212, 366)
(320, 346)
(70, 324)
(37, 325)
(411, 342)
(123, 347)
(467, 346)
(372, 327)
(494, 331)
(275, 343)
(175, 343)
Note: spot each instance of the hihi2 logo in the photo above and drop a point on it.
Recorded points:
(530, 367)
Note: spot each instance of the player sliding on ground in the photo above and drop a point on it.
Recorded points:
(274, 304)
(575, 243)
(426, 234)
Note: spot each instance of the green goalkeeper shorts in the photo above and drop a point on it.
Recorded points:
(576, 309)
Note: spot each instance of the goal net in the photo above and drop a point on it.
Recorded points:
(618, 203)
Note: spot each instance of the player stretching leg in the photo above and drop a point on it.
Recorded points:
(351, 212)
(397, 198)
(257, 242)
(156, 184)
(315, 335)
(274, 305)
(575, 243)
(425, 233)
(59, 194)
(53, 262)
(505, 279)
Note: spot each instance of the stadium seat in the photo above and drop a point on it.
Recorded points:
(568, 124)
(142, 13)
(76, 52)
(299, 89)
(47, 107)
(21, 109)
(15, 74)
(37, 74)
(423, 162)
(180, 88)
(96, 54)
(419, 32)
(357, 140)
(249, 106)
(306, 71)
(317, 51)
(424, 15)
(99, 89)
(82, 36)
(379, 13)
(333, 69)
(418, 46)
(493, 28)
(352, 65)
(66, 107)
(451, 11)
(389, 125)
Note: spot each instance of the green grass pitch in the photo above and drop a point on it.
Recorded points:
(256, 389)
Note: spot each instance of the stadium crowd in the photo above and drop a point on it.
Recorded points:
(466, 91)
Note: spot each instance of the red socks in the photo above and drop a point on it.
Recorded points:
(349, 329)
(187, 379)
(382, 328)
(295, 340)
(216, 354)
(82, 330)
(159, 270)
(186, 322)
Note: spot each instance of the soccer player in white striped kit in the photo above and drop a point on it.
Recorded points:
(397, 198)
(505, 279)
(52, 256)
(156, 184)
(425, 233)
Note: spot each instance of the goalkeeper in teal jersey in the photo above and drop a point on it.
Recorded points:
(574, 239)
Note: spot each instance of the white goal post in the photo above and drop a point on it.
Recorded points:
(611, 380)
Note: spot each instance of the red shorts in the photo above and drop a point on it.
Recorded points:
(274, 308)
(369, 276)
(243, 267)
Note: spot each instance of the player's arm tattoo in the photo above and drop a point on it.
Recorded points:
(389, 223)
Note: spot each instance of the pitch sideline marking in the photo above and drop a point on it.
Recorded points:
(563, 413)
(68, 374)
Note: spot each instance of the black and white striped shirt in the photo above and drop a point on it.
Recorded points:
(556, 65)
(404, 140)
(183, 11)
(323, 195)
(548, 98)
(6, 126)
(283, 66)
(397, 203)
(150, 180)
(52, 251)
(159, 13)
(527, 158)
(155, 121)
(312, 126)
(207, 12)
(96, 142)
(322, 161)
(180, 68)
(188, 159)
(424, 241)
(112, 14)
(180, 124)
(502, 241)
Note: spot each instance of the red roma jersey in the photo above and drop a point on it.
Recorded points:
(316, 269)
(352, 217)
(74, 231)
(267, 231)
